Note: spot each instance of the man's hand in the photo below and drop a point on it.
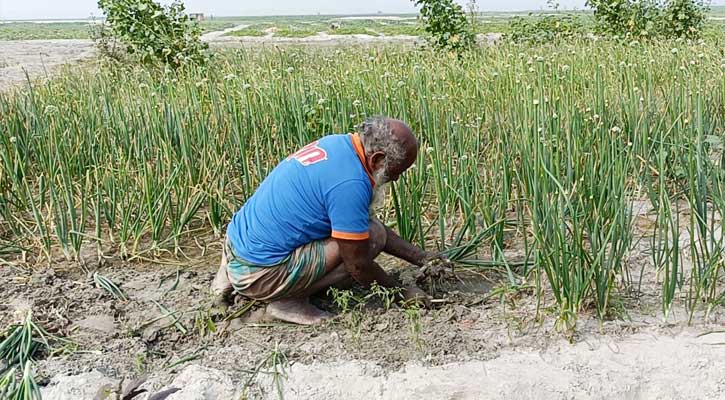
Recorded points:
(436, 259)
(414, 295)
(434, 266)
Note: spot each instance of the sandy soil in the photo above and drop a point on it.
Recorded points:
(215, 35)
(38, 58)
(640, 366)
(473, 345)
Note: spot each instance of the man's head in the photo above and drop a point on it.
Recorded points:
(390, 148)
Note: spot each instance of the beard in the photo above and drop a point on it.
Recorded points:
(381, 185)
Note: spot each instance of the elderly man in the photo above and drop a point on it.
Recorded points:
(309, 225)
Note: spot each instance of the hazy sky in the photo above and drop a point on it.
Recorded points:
(30, 9)
(63, 9)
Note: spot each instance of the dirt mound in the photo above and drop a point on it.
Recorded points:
(473, 346)
(641, 366)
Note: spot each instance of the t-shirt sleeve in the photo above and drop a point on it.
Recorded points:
(347, 207)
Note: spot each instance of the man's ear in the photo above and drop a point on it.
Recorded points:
(377, 160)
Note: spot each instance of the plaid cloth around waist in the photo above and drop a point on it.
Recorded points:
(304, 266)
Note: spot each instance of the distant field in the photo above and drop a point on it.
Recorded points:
(218, 24)
(407, 25)
(26, 30)
(53, 30)
(370, 25)
(305, 26)
(717, 10)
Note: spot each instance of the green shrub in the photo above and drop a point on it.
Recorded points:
(151, 32)
(684, 18)
(649, 18)
(447, 25)
(544, 29)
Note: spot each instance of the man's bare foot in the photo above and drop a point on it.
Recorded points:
(297, 311)
(222, 288)
(223, 299)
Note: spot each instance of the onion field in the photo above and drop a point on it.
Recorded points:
(534, 160)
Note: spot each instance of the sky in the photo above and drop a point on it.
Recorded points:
(72, 9)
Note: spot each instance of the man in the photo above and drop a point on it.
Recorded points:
(310, 224)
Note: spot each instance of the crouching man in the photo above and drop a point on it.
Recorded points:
(309, 225)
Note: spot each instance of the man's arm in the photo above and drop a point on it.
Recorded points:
(358, 262)
(401, 248)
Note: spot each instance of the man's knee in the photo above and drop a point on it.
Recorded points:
(378, 236)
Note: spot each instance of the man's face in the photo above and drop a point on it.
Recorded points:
(381, 182)
(384, 171)
(390, 172)
(380, 176)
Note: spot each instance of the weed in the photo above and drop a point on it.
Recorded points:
(189, 357)
(204, 323)
(352, 306)
(275, 364)
(176, 321)
(412, 314)
(388, 296)
(109, 286)
(140, 363)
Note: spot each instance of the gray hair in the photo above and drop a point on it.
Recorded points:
(377, 135)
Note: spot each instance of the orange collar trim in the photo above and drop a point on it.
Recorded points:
(357, 145)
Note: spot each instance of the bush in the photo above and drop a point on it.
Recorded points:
(685, 18)
(544, 29)
(649, 18)
(151, 32)
(447, 25)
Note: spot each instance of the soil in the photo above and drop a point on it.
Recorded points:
(215, 35)
(473, 344)
(38, 58)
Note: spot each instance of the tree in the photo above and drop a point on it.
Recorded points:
(153, 32)
(447, 25)
(649, 18)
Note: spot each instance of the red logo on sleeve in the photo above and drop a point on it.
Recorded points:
(309, 154)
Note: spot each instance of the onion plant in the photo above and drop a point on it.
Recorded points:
(542, 147)
(23, 341)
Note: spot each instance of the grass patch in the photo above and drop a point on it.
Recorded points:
(299, 31)
(36, 31)
(252, 30)
(218, 25)
(351, 30)
(398, 28)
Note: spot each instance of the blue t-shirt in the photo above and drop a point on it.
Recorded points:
(321, 191)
